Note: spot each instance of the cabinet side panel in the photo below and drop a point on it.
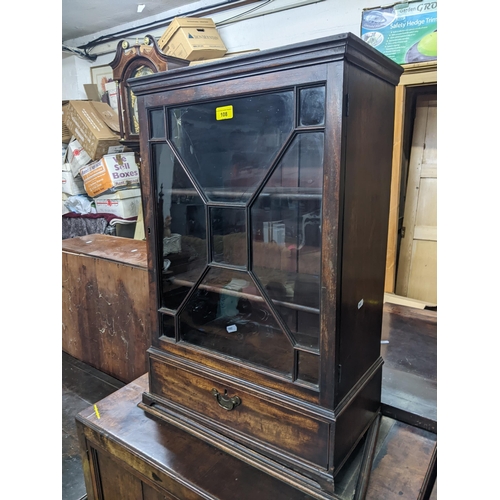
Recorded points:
(105, 314)
(355, 419)
(116, 482)
(122, 320)
(72, 296)
(80, 309)
(367, 182)
(87, 465)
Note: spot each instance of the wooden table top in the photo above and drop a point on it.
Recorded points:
(409, 373)
(123, 250)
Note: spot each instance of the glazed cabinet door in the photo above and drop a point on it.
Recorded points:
(237, 184)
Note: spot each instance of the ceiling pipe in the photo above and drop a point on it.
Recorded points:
(119, 35)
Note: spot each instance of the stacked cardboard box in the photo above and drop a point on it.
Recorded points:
(110, 174)
(71, 185)
(114, 183)
(192, 38)
(94, 124)
(76, 156)
(124, 203)
(95, 163)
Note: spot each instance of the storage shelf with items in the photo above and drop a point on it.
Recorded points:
(266, 181)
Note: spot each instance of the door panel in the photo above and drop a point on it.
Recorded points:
(417, 269)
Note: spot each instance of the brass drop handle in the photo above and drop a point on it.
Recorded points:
(225, 401)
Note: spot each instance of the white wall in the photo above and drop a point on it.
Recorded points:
(308, 22)
(75, 72)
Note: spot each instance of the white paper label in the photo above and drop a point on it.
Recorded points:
(115, 149)
(360, 304)
(231, 328)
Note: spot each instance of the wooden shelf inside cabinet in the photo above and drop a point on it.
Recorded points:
(293, 193)
(268, 185)
(186, 280)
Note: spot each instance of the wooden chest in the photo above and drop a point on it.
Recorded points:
(105, 304)
(266, 183)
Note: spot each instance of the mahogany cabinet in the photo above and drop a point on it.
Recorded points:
(126, 455)
(266, 182)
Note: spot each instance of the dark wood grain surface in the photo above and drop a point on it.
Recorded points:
(409, 350)
(144, 450)
(122, 250)
(348, 146)
(82, 386)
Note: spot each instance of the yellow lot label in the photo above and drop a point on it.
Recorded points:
(224, 113)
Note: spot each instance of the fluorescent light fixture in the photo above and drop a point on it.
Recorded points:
(140, 7)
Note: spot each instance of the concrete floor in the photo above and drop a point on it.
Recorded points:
(82, 386)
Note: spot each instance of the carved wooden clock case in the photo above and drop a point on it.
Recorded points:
(266, 185)
(131, 62)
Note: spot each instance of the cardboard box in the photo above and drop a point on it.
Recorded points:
(92, 92)
(76, 157)
(65, 210)
(112, 89)
(123, 204)
(72, 185)
(110, 173)
(66, 133)
(64, 150)
(120, 194)
(192, 38)
(94, 124)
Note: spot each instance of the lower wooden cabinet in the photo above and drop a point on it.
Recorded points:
(129, 455)
(116, 482)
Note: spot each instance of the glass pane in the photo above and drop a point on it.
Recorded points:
(182, 228)
(157, 124)
(132, 99)
(286, 237)
(229, 245)
(308, 367)
(227, 314)
(168, 326)
(312, 106)
(229, 145)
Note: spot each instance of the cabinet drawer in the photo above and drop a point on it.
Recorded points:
(251, 418)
